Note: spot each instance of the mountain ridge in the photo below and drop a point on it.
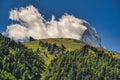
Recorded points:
(68, 42)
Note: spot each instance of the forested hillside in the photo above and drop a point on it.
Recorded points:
(85, 64)
(56, 59)
(77, 61)
(18, 62)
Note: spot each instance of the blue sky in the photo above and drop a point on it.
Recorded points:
(104, 15)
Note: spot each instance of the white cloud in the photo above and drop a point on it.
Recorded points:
(17, 31)
(33, 24)
(30, 23)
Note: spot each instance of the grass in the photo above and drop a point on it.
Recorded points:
(70, 44)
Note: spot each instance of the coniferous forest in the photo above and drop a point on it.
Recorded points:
(18, 62)
(56, 60)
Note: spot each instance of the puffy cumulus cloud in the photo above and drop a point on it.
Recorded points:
(17, 31)
(33, 24)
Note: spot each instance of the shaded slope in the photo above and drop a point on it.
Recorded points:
(18, 62)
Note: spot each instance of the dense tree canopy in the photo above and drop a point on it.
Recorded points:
(87, 63)
(18, 62)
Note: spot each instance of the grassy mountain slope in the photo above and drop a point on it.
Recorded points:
(70, 45)
(78, 61)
